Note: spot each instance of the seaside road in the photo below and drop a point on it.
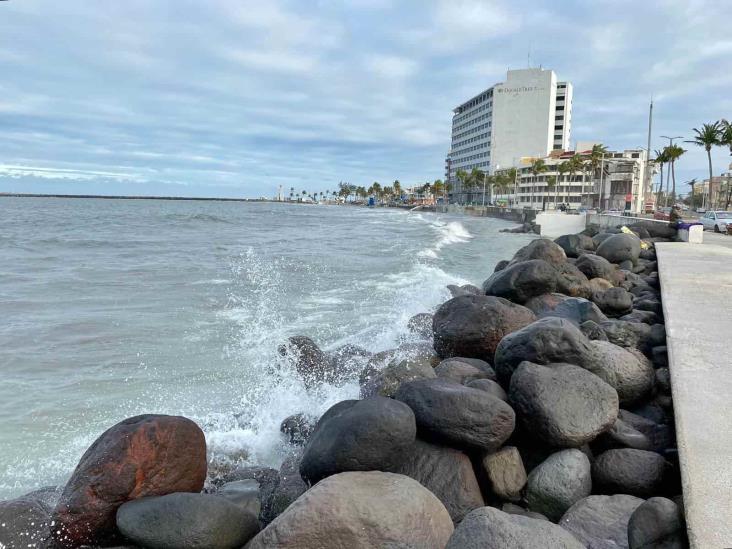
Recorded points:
(696, 287)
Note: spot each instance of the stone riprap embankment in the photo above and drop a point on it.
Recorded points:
(533, 412)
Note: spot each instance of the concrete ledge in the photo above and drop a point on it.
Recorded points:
(696, 287)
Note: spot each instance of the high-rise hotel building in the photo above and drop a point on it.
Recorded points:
(528, 115)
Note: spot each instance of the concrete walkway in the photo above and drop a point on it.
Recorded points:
(696, 286)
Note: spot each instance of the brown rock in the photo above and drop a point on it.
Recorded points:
(148, 455)
(505, 473)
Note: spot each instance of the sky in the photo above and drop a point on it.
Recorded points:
(233, 98)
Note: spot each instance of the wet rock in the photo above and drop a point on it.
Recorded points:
(455, 369)
(600, 237)
(504, 473)
(655, 427)
(561, 404)
(25, 521)
(658, 523)
(629, 374)
(621, 435)
(572, 282)
(458, 416)
(386, 382)
(593, 331)
(471, 326)
(594, 266)
(649, 304)
(545, 341)
(142, 456)
(297, 428)
(243, 493)
(421, 325)
(629, 471)
(541, 248)
(465, 289)
(574, 309)
(266, 479)
(489, 386)
(574, 245)
(522, 281)
(601, 522)
(614, 302)
(185, 520)
(489, 527)
(358, 435)
(311, 364)
(447, 473)
(361, 510)
(290, 487)
(558, 483)
(659, 355)
(500, 266)
(620, 247)
(513, 509)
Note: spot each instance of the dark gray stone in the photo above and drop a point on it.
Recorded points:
(663, 380)
(358, 435)
(574, 245)
(504, 473)
(311, 364)
(574, 309)
(489, 386)
(472, 325)
(631, 375)
(628, 334)
(186, 520)
(461, 371)
(541, 248)
(488, 527)
(266, 478)
(601, 522)
(297, 428)
(558, 483)
(513, 509)
(385, 382)
(561, 404)
(522, 281)
(25, 521)
(629, 471)
(658, 523)
(614, 302)
(593, 331)
(620, 247)
(421, 325)
(447, 473)
(244, 493)
(290, 487)
(594, 266)
(465, 289)
(622, 435)
(458, 416)
(572, 282)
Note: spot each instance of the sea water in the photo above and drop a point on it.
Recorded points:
(114, 308)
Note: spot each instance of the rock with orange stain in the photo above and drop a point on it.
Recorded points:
(149, 455)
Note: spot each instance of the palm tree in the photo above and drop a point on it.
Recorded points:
(376, 188)
(576, 164)
(725, 136)
(692, 184)
(708, 136)
(563, 169)
(538, 166)
(660, 159)
(551, 183)
(674, 152)
(397, 188)
(462, 176)
(438, 187)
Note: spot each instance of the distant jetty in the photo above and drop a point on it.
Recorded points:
(121, 197)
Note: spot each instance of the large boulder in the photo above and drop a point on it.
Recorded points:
(143, 456)
(558, 483)
(574, 245)
(561, 404)
(657, 523)
(545, 341)
(358, 435)
(628, 334)
(456, 415)
(186, 521)
(460, 370)
(361, 510)
(488, 528)
(629, 471)
(490, 386)
(572, 282)
(504, 473)
(601, 522)
(594, 266)
(25, 521)
(620, 247)
(310, 363)
(614, 302)
(522, 281)
(630, 374)
(290, 487)
(541, 248)
(574, 309)
(297, 428)
(447, 473)
(420, 325)
(472, 325)
(386, 381)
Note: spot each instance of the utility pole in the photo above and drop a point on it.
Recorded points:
(649, 179)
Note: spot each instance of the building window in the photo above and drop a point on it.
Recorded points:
(560, 108)
(558, 127)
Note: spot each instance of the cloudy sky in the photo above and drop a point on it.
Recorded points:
(233, 98)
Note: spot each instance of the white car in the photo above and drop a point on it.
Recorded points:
(716, 221)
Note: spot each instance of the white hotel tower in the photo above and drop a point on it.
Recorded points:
(528, 115)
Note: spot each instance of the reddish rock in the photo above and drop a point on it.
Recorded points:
(149, 455)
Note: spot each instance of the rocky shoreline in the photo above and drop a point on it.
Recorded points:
(535, 411)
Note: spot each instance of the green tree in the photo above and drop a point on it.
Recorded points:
(538, 166)
(438, 187)
(707, 137)
(563, 169)
(725, 137)
(674, 152)
(463, 177)
(376, 188)
(551, 183)
(397, 188)
(660, 159)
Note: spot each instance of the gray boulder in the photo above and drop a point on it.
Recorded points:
(558, 483)
(522, 281)
(513, 509)
(461, 371)
(575, 309)
(622, 435)
(360, 510)
(504, 473)
(186, 520)
(465, 289)
(472, 325)
(290, 487)
(310, 363)
(541, 248)
(614, 302)
(456, 415)
(601, 522)
(244, 493)
(420, 325)
(561, 404)
(297, 428)
(490, 528)
(358, 435)
(629, 334)
(594, 266)
(620, 247)
(646, 317)
(545, 341)
(25, 521)
(447, 473)
(629, 471)
(631, 375)
(489, 386)
(593, 330)
(575, 245)
(386, 381)
(572, 282)
(658, 523)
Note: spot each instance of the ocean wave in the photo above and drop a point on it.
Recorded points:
(451, 232)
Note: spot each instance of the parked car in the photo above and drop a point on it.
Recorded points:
(663, 214)
(716, 221)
